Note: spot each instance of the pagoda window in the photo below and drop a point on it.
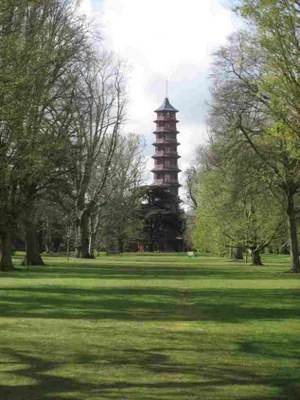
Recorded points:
(167, 178)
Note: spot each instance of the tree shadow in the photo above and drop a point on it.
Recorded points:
(150, 303)
(129, 270)
(197, 378)
(46, 385)
(287, 379)
(154, 303)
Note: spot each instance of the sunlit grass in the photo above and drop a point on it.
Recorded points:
(150, 327)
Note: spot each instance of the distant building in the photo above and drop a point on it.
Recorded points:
(163, 218)
(166, 155)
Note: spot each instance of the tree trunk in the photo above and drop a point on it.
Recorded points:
(238, 254)
(82, 248)
(295, 264)
(92, 244)
(120, 245)
(256, 260)
(6, 263)
(33, 256)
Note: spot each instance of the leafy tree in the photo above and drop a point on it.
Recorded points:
(236, 207)
(242, 111)
(38, 42)
(163, 220)
(277, 26)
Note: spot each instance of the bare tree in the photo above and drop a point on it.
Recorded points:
(96, 123)
(118, 220)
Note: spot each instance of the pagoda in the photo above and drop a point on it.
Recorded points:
(166, 155)
(163, 218)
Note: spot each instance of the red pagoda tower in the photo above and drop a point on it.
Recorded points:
(163, 219)
(166, 156)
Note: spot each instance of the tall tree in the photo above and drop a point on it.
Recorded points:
(38, 42)
(163, 220)
(236, 207)
(96, 124)
(116, 222)
(243, 111)
(277, 24)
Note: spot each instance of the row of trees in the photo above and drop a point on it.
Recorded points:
(66, 170)
(245, 184)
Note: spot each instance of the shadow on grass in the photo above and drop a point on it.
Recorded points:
(182, 379)
(46, 385)
(288, 379)
(273, 348)
(147, 304)
(196, 379)
(130, 270)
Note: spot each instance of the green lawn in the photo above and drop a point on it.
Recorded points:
(150, 327)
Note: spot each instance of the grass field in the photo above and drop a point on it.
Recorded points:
(150, 327)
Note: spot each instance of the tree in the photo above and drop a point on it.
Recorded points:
(192, 185)
(243, 111)
(38, 42)
(163, 220)
(116, 222)
(96, 125)
(277, 27)
(236, 208)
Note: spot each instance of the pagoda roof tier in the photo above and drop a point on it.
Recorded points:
(166, 120)
(166, 106)
(165, 156)
(166, 169)
(155, 185)
(163, 143)
(173, 131)
(166, 184)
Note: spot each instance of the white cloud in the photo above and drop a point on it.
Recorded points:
(85, 7)
(161, 39)
(168, 36)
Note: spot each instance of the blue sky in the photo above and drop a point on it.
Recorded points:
(97, 5)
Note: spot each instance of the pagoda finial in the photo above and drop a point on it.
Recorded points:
(167, 87)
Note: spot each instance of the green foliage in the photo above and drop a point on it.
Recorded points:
(39, 42)
(163, 221)
(277, 24)
(255, 102)
(236, 208)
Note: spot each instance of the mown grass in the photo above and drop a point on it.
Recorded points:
(150, 327)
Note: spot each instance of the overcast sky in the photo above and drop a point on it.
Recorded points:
(165, 39)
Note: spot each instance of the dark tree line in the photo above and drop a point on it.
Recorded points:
(163, 222)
